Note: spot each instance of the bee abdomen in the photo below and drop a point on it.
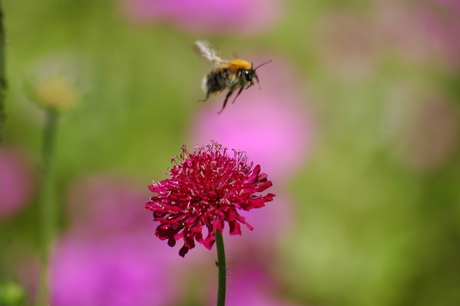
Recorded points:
(216, 81)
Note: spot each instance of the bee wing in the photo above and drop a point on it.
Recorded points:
(208, 52)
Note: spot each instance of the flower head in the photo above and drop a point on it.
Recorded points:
(56, 83)
(206, 188)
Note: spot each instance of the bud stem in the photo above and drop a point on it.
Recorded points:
(48, 209)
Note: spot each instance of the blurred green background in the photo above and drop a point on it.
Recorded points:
(376, 205)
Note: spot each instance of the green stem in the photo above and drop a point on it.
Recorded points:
(221, 265)
(2, 75)
(48, 207)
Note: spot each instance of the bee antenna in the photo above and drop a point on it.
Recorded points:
(262, 64)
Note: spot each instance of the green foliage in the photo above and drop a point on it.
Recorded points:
(375, 223)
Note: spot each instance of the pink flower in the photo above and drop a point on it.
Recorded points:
(17, 181)
(107, 256)
(205, 189)
(206, 16)
(102, 203)
(422, 33)
(424, 129)
(118, 271)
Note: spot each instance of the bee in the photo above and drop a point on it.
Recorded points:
(236, 74)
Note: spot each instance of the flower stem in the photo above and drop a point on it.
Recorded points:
(2, 74)
(47, 203)
(222, 267)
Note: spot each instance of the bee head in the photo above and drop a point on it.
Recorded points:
(251, 74)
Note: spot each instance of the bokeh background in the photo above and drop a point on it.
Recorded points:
(356, 123)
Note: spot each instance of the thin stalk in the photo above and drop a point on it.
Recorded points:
(222, 267)
(48, 208)
(3, 83)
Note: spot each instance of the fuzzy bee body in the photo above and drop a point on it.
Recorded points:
(215, 82)
(235, 74)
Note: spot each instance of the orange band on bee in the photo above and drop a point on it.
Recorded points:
(240, 64)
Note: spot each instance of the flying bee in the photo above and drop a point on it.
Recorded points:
(234, 74)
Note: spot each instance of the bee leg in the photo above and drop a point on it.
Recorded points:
(257, 79)
(207, 96)
(239, 92)
(226, 99)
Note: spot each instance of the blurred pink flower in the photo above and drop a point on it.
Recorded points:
(444, 24)
(119, 270)
(420, 32)
(104, 203)
(207, 16)
(352, 43)
(271, 125)
(109, 256)
(423, 127)
(17, 181)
